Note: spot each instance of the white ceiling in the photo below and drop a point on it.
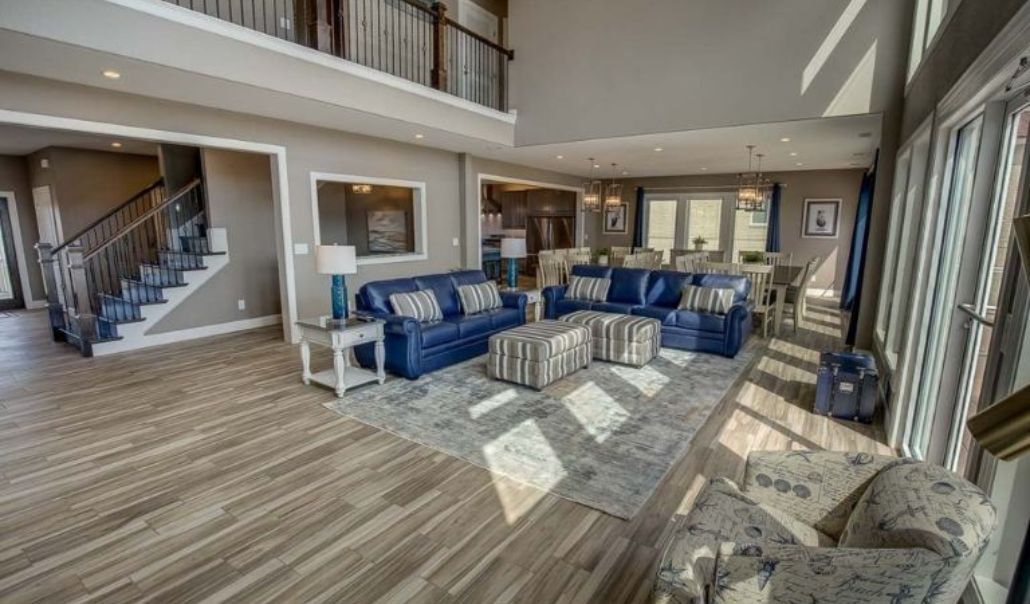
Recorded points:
(19, 140)
(819, 144)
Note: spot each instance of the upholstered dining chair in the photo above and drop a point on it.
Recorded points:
(828, 527)
(550, 270)
(574, 257)
(764, 309)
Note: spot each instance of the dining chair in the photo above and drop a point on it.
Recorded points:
(688, 262)
(779, 258)
(572, 259)
(617, 255)
(797, 296)
(764, 309)
(716, 255)
(634, 261)
(718, 268)
(550, 270)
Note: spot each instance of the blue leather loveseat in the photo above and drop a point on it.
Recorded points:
(414, 348)
(656, 294)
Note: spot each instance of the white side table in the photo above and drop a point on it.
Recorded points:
(340, 337)
(533, 296)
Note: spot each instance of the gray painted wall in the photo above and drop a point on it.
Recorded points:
(599, 68)
(14, 177)
(240, 199)
(843, 184)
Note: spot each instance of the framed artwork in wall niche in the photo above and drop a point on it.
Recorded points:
(615, 219)
(821, 219)
(387, 231)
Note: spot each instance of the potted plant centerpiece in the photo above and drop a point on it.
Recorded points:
(699, 243)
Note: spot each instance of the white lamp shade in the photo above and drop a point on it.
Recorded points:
(513, 248)
(335, 260)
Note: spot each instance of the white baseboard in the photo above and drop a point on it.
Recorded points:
(823, 293)
(34, 304)
(183, 335)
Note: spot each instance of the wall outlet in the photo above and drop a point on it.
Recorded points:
(241, 304)
(300, 249)
(455, 242)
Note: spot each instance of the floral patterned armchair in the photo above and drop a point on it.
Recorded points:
(825, 527)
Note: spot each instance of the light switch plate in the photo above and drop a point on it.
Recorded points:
(300, 249)
(242, 304)
(455, 242)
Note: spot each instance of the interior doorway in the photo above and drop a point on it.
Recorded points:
(11, 294)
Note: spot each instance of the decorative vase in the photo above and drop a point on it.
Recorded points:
(699, 246)
(339, 298)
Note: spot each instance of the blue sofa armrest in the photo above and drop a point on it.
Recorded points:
(515, 300)
(551, 295)
(403, 342)
(738, 327)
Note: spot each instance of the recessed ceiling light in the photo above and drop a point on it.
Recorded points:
(799, 164)
(112, 74)
(625, 172)
(658, 149)
(704, 169)
(597, 165)
(116, 145)
(793, 153)
(559, 157)
(785, 139)
(420, 135)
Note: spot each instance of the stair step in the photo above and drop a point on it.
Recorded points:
(118, 310)
(71, 337)
(181, 260)
(140, 293)
(195, 244)
(107, 329)
(160, 276)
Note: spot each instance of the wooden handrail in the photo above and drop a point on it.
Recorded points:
(468, 32)
(143, 218)
(109, 214)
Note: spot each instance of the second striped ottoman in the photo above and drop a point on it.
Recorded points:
(540, 353)
(627, 339)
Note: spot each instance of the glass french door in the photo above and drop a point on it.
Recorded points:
(676, 221)
(10, 284)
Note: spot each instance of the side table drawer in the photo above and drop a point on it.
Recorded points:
(359, 335)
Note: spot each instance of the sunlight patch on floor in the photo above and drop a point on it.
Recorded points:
(678, 358)
(531, 447)
(494, 402)
(648, 380)
(596, 410)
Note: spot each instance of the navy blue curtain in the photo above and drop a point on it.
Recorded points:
(638, 219)
(852, 287)
(772, 234)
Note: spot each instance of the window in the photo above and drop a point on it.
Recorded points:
(383, 219)
(661, 225)
(704, 220)
(928, 18)
(748, 236)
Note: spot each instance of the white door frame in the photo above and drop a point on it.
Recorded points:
(19, 252)
(280, 180)
(480, 177)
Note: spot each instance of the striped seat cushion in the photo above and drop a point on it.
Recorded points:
(612, 326)
(591, 289)
(479, 297)
(420, 305)
(712, 300)
(539, 341)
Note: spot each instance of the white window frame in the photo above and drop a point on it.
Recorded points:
(419, 213)
(925, 32)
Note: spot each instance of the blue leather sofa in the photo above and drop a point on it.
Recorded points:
(414, 348)
(656, 294)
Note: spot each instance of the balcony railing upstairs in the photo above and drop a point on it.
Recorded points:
(410, 39)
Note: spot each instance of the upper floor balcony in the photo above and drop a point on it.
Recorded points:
(411, 39)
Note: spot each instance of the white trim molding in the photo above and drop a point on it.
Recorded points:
(287, 276)
(195, 333)
(19, 253)
(421, 228)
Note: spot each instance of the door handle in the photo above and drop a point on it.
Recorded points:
(970, 310)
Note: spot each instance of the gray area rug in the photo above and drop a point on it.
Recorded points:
(604, 436)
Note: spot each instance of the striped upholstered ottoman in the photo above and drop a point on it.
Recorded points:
(539, 353)
(626, 339)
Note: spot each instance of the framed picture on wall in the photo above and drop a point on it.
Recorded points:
(821, 219)
(387, 231)
(615, 219)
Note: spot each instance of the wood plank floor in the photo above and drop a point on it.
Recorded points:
(206, 471)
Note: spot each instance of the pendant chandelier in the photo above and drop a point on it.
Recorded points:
(361, 189)
(753, 189)
(613, 194)
(592, 191)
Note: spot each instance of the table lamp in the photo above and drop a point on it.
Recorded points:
(513, 248)
(337, 260)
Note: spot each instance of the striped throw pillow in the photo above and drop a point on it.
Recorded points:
(420, 305)
(591, 289)
(479, 297)
(712, 300)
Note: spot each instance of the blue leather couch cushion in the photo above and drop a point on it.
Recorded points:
(467, 277)
(664, 288)
(375, 296)
(688, 319)
(434, 334)
(629, 286)
(592, 270)
(663, 314)
(443, 288)
(740, 285)
(613, 307)
(471, 325)
(504, 318)
(565, 306)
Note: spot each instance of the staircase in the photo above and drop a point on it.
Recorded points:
(111, 282)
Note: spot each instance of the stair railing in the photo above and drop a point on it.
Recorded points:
(87, 274)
